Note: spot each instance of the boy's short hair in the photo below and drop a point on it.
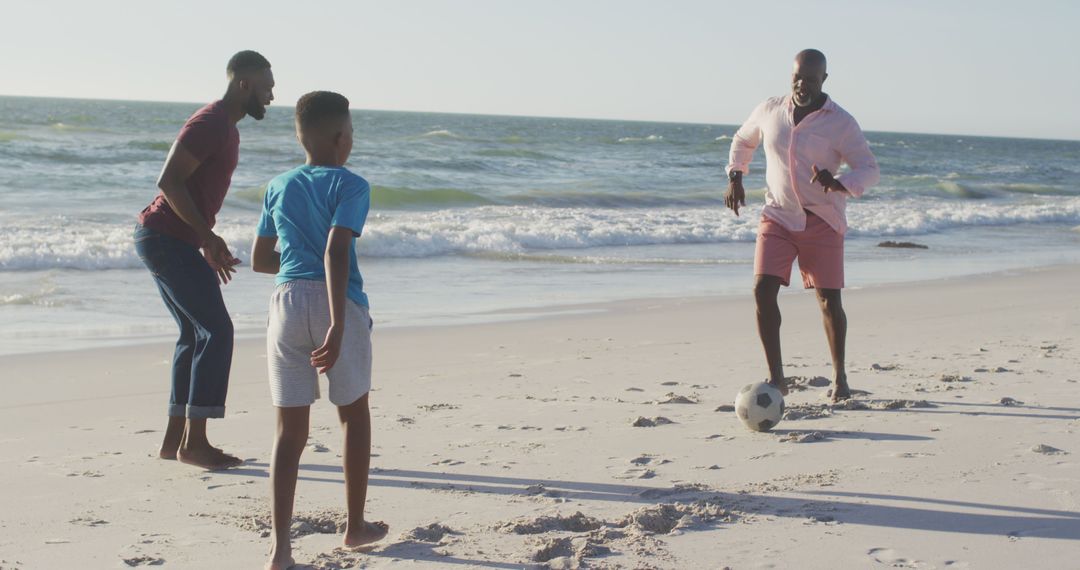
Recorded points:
(312, 109)
(246, 61)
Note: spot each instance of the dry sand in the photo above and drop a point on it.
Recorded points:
(514, 444)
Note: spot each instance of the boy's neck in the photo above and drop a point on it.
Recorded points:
(319, 160)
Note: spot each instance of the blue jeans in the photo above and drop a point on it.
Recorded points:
(190, 289)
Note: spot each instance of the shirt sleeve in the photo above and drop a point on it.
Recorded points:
(855, 152)
(266, 227)
(746, 141)
(204, 134)
(352, 209)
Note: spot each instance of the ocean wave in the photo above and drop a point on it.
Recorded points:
(509, 232)
(520, 153)
(403, 198)
(441, 134)
(650, 138)
(159, 146)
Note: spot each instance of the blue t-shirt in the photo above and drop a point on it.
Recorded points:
(299, 209)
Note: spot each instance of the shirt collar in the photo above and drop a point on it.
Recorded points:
(828, 107)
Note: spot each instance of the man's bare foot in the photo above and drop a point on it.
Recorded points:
(208, 458)
(170, 454)
(840, 390)
(368, 533)
(780, 385)
(283, 564)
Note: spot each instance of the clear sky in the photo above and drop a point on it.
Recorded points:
(987, 67)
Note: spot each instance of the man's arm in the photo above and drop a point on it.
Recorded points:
(743, 145)
(263, 257)
(864, 171)
(172, 181)
(336, 263)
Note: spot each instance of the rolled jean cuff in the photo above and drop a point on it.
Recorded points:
(203, 412)
(177, 410)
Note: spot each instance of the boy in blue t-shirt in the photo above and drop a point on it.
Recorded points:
(319, 320)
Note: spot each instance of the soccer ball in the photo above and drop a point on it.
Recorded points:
(760, 406)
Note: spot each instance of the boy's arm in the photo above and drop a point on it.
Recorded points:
(263, 257)
(336, 261)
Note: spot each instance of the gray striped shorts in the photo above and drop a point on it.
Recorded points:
(299, 319)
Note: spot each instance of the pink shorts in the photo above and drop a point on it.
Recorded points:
(819, 249)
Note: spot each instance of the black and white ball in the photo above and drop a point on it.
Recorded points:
(760, 406)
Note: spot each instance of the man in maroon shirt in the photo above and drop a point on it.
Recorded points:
(171, 232)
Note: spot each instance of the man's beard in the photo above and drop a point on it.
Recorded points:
(254, 108)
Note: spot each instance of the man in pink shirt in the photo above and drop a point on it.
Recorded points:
(806, 136)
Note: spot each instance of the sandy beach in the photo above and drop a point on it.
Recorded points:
(513, 444)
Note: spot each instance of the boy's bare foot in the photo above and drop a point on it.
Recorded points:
(840, 390)
(210, 458)
(780, 385)
(368, 533)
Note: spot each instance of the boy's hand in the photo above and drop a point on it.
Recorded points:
(324, 357)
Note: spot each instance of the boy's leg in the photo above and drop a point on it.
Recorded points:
(292, 435)
(356, 423)
(832, 313)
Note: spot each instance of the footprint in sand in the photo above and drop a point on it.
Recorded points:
(636, 473)
(92, 474)
(143, 561)
(448, 462)
(891, 558)
(88, 521)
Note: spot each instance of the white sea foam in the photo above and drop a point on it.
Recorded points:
(46, 244)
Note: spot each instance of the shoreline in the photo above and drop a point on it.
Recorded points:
(525, 313)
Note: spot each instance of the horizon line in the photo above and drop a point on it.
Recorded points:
(523, 116)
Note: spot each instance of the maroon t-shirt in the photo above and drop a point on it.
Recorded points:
(212, 138)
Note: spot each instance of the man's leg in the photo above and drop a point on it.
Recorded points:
(356, 423)
(181, 380)
(292, 435)
(194, 295)
(766, 290)
(832, 312)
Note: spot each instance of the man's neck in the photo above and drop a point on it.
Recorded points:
(235, 106)
(816, 104)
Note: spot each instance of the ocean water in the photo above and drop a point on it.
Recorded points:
(483, 217)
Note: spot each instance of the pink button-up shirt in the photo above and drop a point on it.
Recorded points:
(827, 138)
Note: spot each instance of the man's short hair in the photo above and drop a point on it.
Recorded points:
(246, 61)
(312, 109)
(811, 56)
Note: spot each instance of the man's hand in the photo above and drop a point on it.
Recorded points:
(215, 248)
(224, 272)
(736, 195)
(324, 357)
(826, 179)
(221, 260)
